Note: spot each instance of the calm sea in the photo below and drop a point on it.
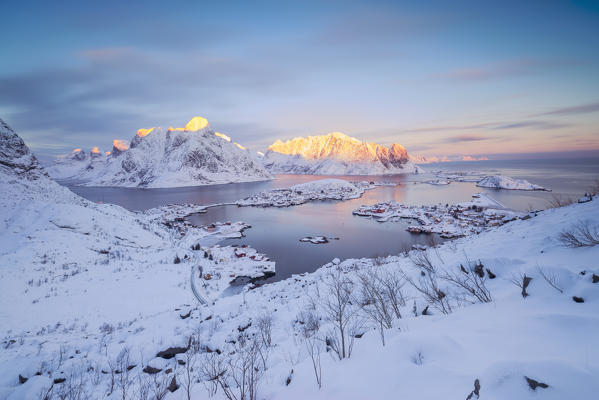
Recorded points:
(276, 231)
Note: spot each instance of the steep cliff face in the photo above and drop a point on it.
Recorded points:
(189, 156)
(15, 157)
(336, 154)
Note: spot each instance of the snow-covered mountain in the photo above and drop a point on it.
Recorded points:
(154, 158)
(336, 154)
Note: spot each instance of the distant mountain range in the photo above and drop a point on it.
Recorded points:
(189, 156)
(336, 154)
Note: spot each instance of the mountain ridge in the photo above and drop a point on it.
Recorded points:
(157, 158)
(336, 154)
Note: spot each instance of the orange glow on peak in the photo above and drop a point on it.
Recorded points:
(196, 124)
(95, 150)
(107, 153)
(120, 145)
(238, 145)
(222, 135)
(171, 129)
(76, 150)
(144, 132)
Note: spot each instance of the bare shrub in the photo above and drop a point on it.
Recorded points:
(392, 283)
(123, 368)
(189, 375)
(338, 309)
(264, 324)
(309, 324)
(582, 234)
(314, 346)
(237, 373)
(159, 385)
(373, 301)
(471, 281)
(73, 388)
(550, 278)
(522, 281)
(557, 201)
(421, 260)
(428, 283)
(213, 371)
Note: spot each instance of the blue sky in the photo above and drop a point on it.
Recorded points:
(442, 78)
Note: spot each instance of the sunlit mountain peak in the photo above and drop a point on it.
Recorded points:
(144, 132)
(196, 124)
(119, 146)
(222, 135)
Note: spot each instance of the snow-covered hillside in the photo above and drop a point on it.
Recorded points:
(157, 158)
(336, 154)
(97, 302)
(506, 182)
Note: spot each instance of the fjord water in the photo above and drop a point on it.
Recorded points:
(276, 231)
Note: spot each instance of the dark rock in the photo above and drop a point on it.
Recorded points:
(151, 370)
(578, 299)
(180, 362)
(475, 393)
(168, 371)
(288, 381)
(533, 384)
(478, 270)
(59, 380)
(525, 282)
(595, 278)
(22, 379)
(173, 385)
(243, 328)
(185, 316)
(491, 275)
(425, 311)
(171, 352)
(130, 367)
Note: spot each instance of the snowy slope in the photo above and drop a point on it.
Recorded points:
(76, 163)
(69, 265)
(157, 158)
(336, 154)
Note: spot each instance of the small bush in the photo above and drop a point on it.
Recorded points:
(582, 234)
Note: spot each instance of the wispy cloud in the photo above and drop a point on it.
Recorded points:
(507, 69)
(466, 138)
(575, 110)
(538, 125)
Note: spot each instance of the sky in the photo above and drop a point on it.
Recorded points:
(459, 78)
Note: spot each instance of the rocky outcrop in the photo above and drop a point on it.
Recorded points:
(15, 156)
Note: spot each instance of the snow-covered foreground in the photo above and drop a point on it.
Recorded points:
(323, 189)
(93, 305)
